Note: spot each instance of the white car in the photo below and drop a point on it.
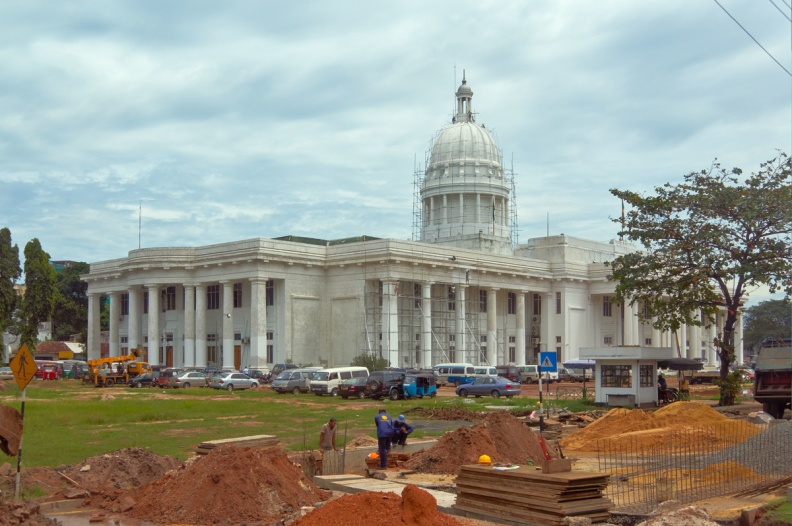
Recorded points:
(232, 381)
(6, 374)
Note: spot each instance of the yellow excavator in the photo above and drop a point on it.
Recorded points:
(106, 372)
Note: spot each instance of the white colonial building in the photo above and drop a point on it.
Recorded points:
(461, 291)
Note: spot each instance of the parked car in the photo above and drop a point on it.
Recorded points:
(232, 381)
(512, 372)
(294, 380)
(385, 383)
(354, 387)
(144, 380)
(418, 385)
(49, 371)
(187, 379)
(572, 375)
(260, 375)
(5, 373)
(280, 367)
(163, 380)
(494, 386)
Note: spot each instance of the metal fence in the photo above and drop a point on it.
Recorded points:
(695, 464)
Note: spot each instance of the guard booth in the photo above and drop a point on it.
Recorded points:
(626, 376)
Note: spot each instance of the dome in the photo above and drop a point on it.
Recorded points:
(465, 141)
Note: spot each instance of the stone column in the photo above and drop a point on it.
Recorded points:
(426, 324)
(258, 321)
(200, 325)
(459, 333)
(478, 209)
(627, 324)
(683, 336)
(520, 337)
(694, 334)
(431, 211)
(390, 322)
(461, 211)
(445, 209)
(228, 324)
(115, 315)
(492, 326)
(189, 325)
(153, 324)
(134, 317)
(94, 349)
(738, 339)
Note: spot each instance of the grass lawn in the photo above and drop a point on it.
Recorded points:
(66, 422)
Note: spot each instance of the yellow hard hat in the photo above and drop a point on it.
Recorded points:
(485, 459)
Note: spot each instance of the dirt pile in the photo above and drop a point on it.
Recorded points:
(415, 507)
(626, 429)
(229, 485)
(500, 435)
(122, 469)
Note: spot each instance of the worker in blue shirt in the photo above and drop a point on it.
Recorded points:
(384, 424)
(400, 431)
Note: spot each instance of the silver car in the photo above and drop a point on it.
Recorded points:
(232, 381)
(187, 379)
(6, 373)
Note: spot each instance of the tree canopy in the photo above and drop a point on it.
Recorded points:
(768, 319)
(38, 302)
(9, 273)
(71, 306)
(707, 242)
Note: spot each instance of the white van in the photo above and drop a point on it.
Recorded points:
(485, 371)
(454, 373)
(326, 381)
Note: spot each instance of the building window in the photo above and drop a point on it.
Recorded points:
(648, 342)
(558, 303)
(646, 314)
(647, 375)
(537, 304)
(124, 345)
(452, 355)
(213, 297)
(237, 336)
(607, 307)
(270, 353)
(558, 339)
(211, 348)
(380, 293)
(451, 298)
(482, 300)
(452, 337)
(237, 295)
(511, 303)
(607, 340)
(170, 298)
(483, 354)
(617, 375)
(512, 354)
(484, 339)
(558, 351)
(124, 304)
(145, 302)
(270, 292)
(417, 292)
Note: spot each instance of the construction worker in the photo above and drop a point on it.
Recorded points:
(327, 437)
(400, 431)
(384, 423)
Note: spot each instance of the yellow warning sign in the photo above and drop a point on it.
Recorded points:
(23, 366)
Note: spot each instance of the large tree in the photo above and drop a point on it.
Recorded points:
(41, 292)
(707, 242)
(9, 273)
(71, 306)
(768, 319)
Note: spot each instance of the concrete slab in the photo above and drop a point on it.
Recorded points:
(357, 484)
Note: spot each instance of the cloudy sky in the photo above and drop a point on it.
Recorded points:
(220, 121)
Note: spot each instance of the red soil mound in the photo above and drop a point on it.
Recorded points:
(415, 507)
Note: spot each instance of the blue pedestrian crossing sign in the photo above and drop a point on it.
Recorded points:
(548, 361)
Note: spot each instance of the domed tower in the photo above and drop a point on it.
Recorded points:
(464, 195)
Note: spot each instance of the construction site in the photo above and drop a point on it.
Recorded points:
(685, 463)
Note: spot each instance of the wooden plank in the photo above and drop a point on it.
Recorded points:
(524, 496)
(591, 505)
(531, 473)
